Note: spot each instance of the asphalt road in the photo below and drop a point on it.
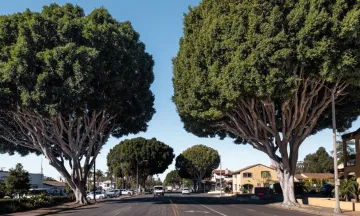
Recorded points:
(179, 205)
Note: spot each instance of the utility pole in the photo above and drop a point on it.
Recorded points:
(337, 201)
(94, 172)
(220, 178)
(137, 177)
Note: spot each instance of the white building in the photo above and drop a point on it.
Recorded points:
(36, 180)
(55, 186)
(107, 185)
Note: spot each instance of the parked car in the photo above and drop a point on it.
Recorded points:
(110, 193)
(326, 190)
(185, 191)
(98, 195)
(158, 190)
(126, 192)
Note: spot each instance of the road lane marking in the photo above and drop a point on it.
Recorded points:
(125, 209)
(210, 208)
(192, 211)
(174, 208)
(252, 210)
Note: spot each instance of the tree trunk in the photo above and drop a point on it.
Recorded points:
(80, 194)
(287, 186)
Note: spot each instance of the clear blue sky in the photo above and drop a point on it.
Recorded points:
(159, 23)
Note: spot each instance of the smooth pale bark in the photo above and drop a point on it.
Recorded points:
(278, 130)
(76, 140)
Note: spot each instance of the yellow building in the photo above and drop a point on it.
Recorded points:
(258, 175)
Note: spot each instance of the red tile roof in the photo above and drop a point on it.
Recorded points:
(223, 172)
(314, 176)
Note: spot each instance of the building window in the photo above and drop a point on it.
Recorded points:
(247, 175)
(265, 174)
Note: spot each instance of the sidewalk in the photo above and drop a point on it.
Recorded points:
(315, 210)
(60, 208)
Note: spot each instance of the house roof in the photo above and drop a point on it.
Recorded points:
(55, 183)
(352, 135)
(248, 167)
(223, 172)
(314, 176)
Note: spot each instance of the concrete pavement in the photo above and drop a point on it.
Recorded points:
(179, 205)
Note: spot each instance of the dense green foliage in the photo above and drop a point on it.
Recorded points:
(197, 162)
(17, 181)
(25, 204)
(349, 188)
(233, 50)
(172, 178)
(49, 178)
(318, 162)
(149, 155)
(2, 189)
(61, 61)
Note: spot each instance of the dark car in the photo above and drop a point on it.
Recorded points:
(326, 189)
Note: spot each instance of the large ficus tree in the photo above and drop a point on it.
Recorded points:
(262, 72)
(197, 163)
(140, 156)
(68, 81)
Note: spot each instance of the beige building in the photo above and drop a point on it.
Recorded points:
(258, 175)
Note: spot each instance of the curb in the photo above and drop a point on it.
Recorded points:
(306, 209)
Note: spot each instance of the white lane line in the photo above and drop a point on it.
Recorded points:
(125, 209)
(252, 210)
(210, 208)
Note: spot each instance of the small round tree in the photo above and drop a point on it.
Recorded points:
(264, 72)
(140, 156)
(68, 81)
(197, 163)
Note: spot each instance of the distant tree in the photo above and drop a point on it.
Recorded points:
(69, 81)
(17, 181)
(150, 156)
(99, 175)
(263, 73)
(350, 148)
(49, 178)
(172, 178)
(318, 162)
(2, 189)
(197, 163)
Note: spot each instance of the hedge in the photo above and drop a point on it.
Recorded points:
(25, 204)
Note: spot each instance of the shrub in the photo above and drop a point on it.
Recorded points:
(24, 203)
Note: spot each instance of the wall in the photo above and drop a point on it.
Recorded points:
(329, 203)
(36, 180)
(256, 179)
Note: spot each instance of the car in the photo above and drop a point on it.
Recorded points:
(158, 190)
(110, 193)
(98, 195)
(185, 191)
(326, 189)
(126, 192)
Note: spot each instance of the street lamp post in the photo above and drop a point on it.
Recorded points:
(220, 178)
(337, 201)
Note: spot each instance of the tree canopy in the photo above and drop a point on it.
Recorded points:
(238, 49)
(68, 81)
(197, 162)
(150, 156)
(55, 61)
(17, 181)
(264, 73)
(172, 178)
(318, 162)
